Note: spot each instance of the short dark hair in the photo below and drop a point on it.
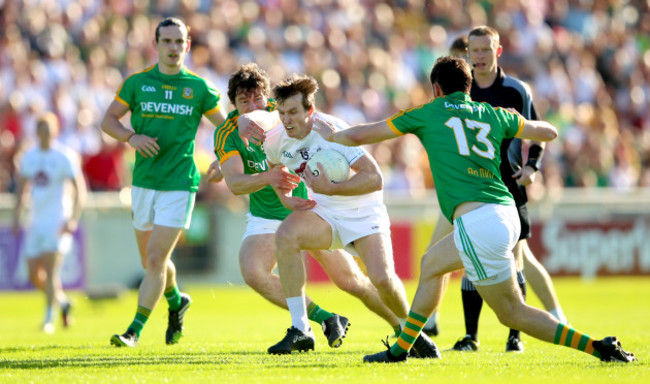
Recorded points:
(459, 44)
(294, 84)
(452, 74)
(484, 30)
(49, 119)
(172, 21)
(248, 77)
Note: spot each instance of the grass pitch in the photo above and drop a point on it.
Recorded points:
(228, 330)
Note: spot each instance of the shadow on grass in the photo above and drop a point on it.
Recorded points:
(42, 348)
(141, 358)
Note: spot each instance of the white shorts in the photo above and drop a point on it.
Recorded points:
(168, 208)
(352, 224)
(46, 239)
(260, 226)
(485, 238)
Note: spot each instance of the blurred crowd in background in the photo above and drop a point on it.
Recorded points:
(587, 61)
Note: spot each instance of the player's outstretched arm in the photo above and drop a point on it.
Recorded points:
(538, 130)
(240, 183)
(356, 135)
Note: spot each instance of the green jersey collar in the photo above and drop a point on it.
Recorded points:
(182, 71)
(459, 96)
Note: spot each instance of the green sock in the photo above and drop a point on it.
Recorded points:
(317, 313)
(173, 296)
(397, 330)
(412, 328)
(141, 317)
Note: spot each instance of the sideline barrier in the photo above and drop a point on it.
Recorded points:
(580, 232)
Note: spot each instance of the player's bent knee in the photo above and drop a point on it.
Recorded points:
(383, 281)
(511, 314)
(507, 319)
(254, 277)
(349, 284)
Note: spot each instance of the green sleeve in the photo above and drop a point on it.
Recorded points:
(510, 121)
(407, 121)
(211, 99)
(126, 93)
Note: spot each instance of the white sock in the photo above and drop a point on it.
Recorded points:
(402, 322)
(557, 312)
(298, 309)
(48, 314)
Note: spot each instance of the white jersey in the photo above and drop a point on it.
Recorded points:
(294, 153)
(47, 171)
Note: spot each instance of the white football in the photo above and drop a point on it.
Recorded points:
(335, 164)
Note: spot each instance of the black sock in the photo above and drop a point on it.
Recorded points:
(472, 304)
(521, 280)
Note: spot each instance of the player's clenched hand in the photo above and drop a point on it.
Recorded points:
(250, 130)
(525, 175)
(145, 145)
(281, 178)
(214, 172)
(324, 128)
(319, 184)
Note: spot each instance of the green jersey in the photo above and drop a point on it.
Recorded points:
(462, 139)
(264, 203)
(169, 108)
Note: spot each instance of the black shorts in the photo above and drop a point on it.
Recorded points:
(525, 222)
(521, 198)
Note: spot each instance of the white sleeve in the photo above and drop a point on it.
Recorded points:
(71, 168)
(272, 145)
(352, 154)
(339, 124)
(265, 119)
(72, 163)
(23, 165)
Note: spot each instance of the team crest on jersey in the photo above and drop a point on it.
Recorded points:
(188, 93)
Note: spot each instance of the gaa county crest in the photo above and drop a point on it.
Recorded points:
(188, 93)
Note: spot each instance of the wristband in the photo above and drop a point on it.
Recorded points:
(129, 138)
(533, 163)
(535, 151)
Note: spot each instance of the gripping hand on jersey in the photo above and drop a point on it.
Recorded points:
(250, 131)
(295, 203)
(145, 145)
(280, 178)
